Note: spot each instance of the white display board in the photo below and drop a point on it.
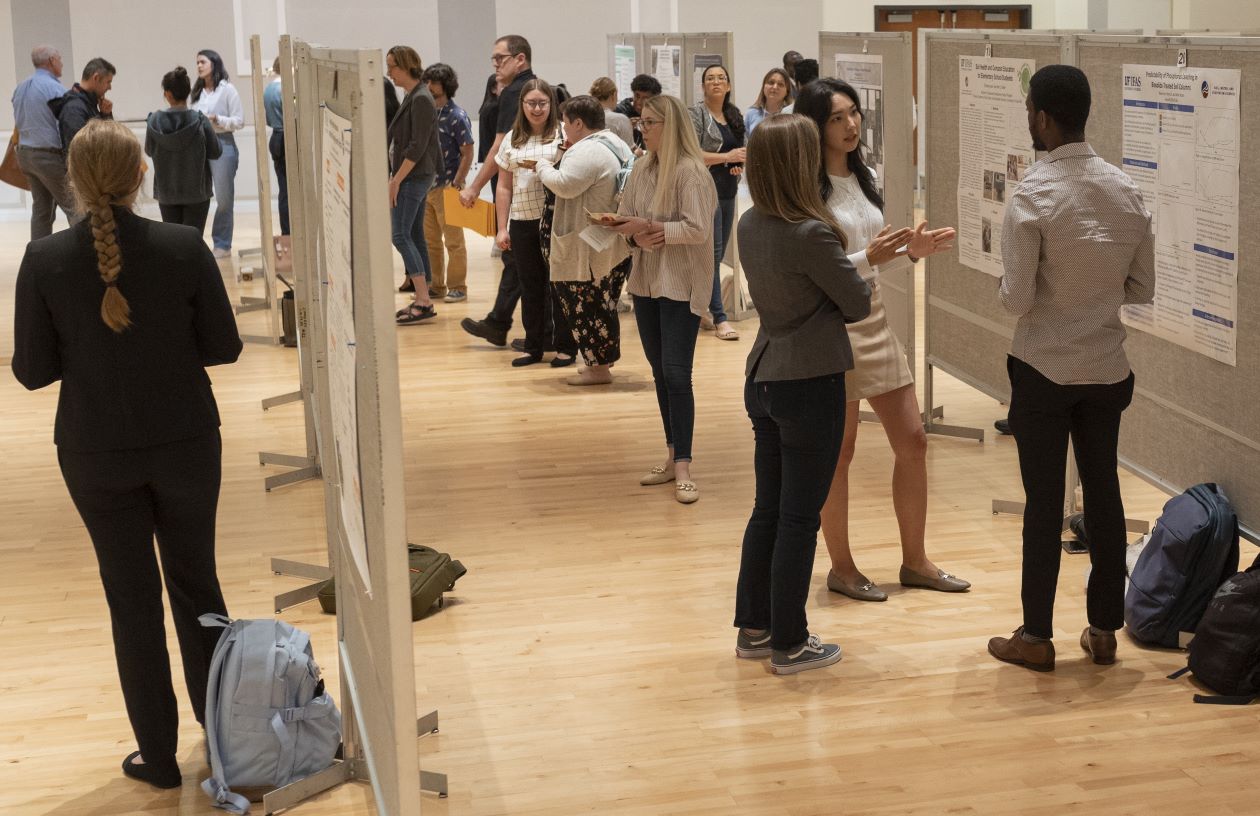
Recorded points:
(994, 151)
(699, 63)
(340, 333)
(624, 69)
(667, 68)
(1181, 145)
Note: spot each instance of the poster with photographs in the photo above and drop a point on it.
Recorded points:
(994, 152)
(667, 68)
(865, 72)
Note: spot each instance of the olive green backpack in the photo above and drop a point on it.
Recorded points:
(432, 573)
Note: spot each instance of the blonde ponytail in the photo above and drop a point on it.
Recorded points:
(104, 166)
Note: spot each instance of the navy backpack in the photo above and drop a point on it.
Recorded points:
(1192, 551)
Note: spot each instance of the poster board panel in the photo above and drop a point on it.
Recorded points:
(895, 154)
(1193, 419)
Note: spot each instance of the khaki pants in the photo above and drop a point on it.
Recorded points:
(438, 233)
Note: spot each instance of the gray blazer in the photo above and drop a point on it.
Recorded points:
(806, 289)
(413, 133)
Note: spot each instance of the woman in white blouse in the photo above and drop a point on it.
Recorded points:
(536, 134)
(214, 96)
(667, 211)
(880, 374)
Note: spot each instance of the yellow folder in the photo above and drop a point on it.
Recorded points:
(479, 218)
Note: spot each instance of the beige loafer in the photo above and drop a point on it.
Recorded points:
(686, 492)
(657, 476)
(942, 582)
(865, 590)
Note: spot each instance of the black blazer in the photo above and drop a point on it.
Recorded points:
(413, 134)
(148, 385)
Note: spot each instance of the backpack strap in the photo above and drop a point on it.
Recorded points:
(1226, 699)
(1179, 673)
(223, 799)
(613, 150)
(215, 786)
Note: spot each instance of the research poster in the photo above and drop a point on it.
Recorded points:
(698, 65)
(994, 152)
(667, 68)
(865, 72)
(1181, 146)
(624, 69)
(339, 308)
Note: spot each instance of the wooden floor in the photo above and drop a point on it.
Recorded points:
(585, 664)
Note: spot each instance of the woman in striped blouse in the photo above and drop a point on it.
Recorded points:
(667, 208)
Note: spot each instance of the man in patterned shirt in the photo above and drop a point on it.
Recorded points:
(456, 139)
(1076, 246)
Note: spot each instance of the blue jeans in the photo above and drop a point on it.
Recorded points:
(667, 330)
(407, 218)
(223, 174)
(797, 426)
(723, 221)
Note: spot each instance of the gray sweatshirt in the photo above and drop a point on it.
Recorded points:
(181, 142)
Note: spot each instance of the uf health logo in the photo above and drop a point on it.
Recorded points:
(1205, 89)
(1133, 82)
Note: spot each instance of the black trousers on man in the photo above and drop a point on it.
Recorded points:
(126, 498)
(1043, 414)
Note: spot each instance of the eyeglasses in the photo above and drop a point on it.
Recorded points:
(645, 124)
(716, 78)
(499, 59)
(537, 105)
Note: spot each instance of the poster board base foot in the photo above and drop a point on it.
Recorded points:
(957, 431)
(1004, 507)
(298, 569)
(295, 793)
(281, 399)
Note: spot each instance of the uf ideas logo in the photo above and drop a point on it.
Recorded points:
(1134, 82)
(1205, 88)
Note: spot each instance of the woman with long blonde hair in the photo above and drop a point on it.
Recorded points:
(806, 289)
(128, 313)
(667, 216)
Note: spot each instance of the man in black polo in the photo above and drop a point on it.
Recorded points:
(512, 59)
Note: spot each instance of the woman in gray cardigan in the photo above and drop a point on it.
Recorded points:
(806, 289)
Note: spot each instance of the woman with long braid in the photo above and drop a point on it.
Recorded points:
(128, 313)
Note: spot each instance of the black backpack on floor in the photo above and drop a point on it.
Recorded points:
(1225, 652)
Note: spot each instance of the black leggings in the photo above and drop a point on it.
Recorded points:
(541, 315)
(126, 498)
(190, 215)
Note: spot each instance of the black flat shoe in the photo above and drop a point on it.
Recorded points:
(526, 360)
(407, 286)
(159, 777)
(562, 362)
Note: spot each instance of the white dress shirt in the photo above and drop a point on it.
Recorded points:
(225, 104)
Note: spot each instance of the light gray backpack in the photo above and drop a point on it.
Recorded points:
(269, 721)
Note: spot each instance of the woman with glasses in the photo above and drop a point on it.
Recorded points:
(880, 374)
(667, 216)
(536, 134)
(719, 127)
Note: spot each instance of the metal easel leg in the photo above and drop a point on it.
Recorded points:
(281, 399)
(430, 781)
(931, 426)
(298, 569)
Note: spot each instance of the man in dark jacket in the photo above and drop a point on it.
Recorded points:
(85, 101)
(642, 88)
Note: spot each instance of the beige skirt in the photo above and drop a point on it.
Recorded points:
(879, 362)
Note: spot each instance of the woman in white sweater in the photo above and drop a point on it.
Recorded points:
(214, 96)
(585, 280)
(880, 374)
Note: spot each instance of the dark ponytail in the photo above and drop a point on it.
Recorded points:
(176, 83)
(734, 119)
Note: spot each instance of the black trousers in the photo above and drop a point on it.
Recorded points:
(509, 294)
(798, 426)
(1043, 414)
(541, 316)
(191, 215)
(275, 146)
(126, 498)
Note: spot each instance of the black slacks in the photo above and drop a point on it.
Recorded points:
(541, 316)
(1043, 414)
(797, 426)
(190, 215)
(126, 498)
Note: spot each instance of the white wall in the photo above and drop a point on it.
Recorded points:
(9, 76)
(1217, 15)
(568, 37)
(762, 36)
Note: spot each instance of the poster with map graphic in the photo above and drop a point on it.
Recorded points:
(1181, 146)
(994, 152)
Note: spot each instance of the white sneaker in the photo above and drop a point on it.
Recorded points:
(222, 253)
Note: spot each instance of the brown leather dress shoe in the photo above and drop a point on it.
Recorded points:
(1014, 649)
(1101, 647)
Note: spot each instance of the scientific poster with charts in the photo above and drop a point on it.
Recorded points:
(865, 72)
(339, 321)
(1181, 146)
(994, 152)
(623, 69)
(667, 68)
